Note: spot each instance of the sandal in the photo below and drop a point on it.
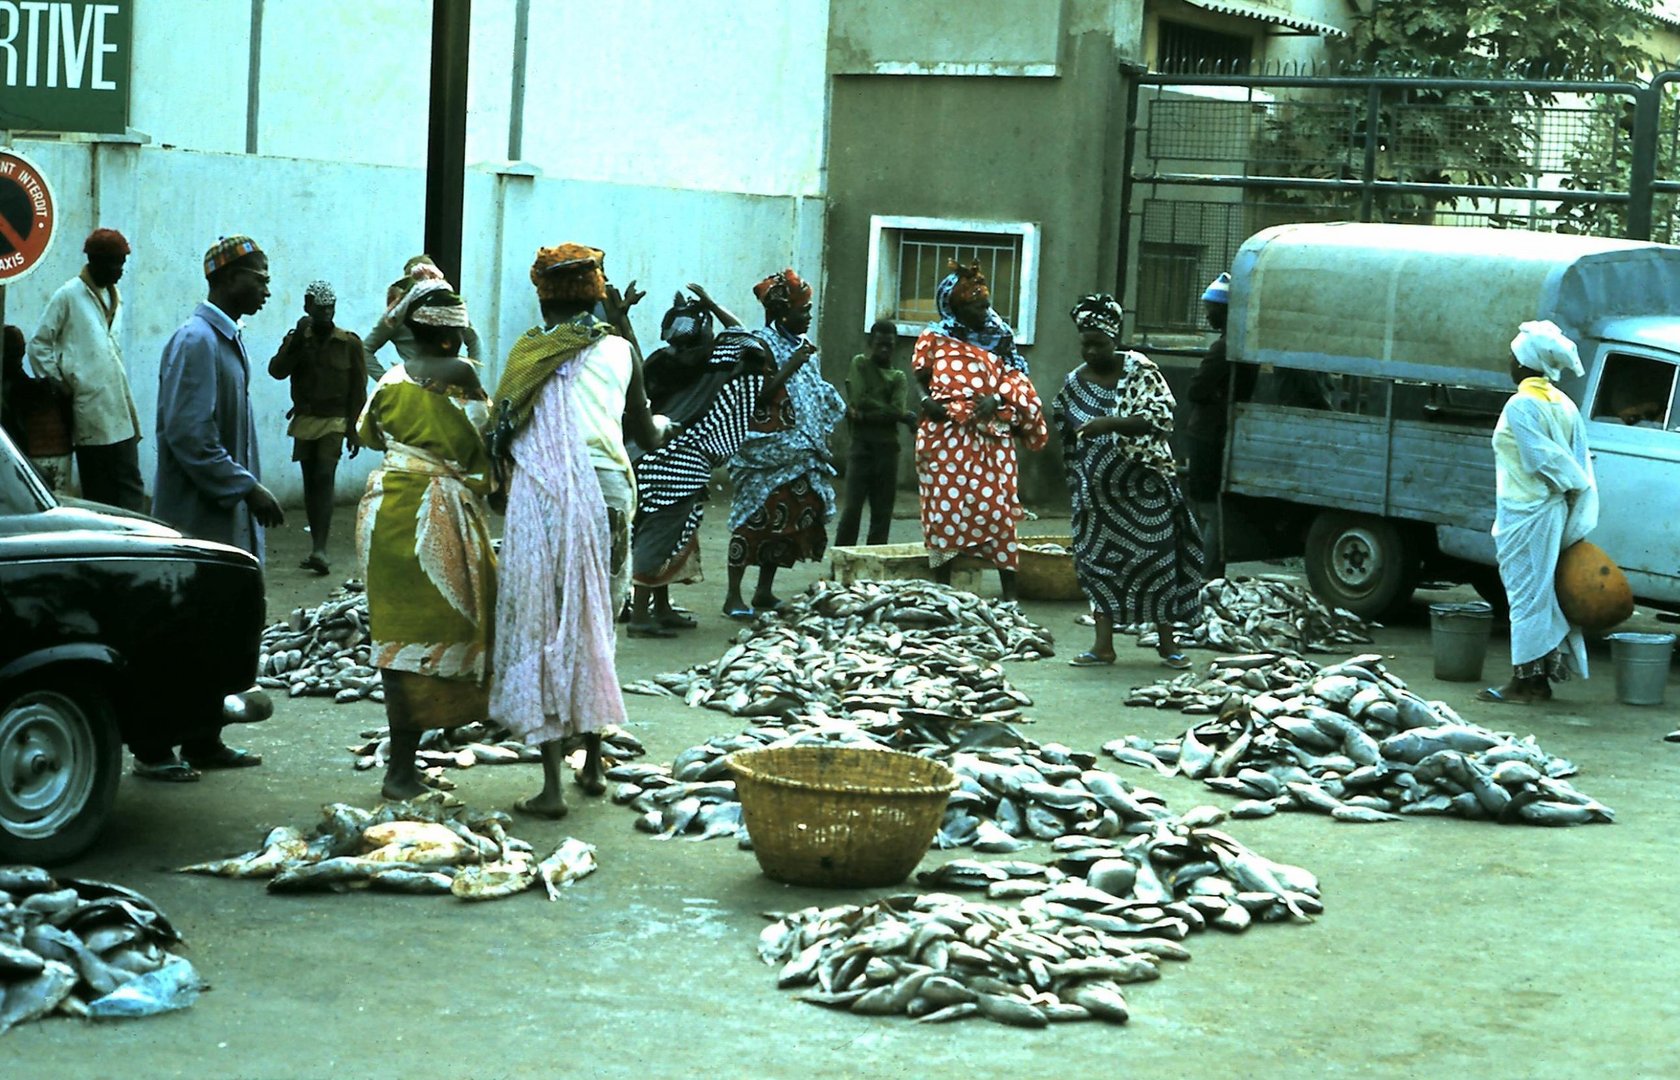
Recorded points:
(648, 629)
(1498, 696)
(673, 620)
(316, 564)
(1177, 661)
(527, 805)
(225, 757)
(740, 614)
(1090, 659)
(173, 771)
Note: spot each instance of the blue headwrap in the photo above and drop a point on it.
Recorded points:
(995, 336)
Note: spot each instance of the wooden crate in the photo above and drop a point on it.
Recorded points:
(898, 562)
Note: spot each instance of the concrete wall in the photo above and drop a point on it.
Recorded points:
(1041, 150)
(686, 142)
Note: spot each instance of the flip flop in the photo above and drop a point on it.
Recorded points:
(226, 757)
(173, 771)
(525, 806)
(648, 629)
(1177, 661)
(740, 614)
(316, 564)
(677, 621)
(1494, 694)
(1089, 659)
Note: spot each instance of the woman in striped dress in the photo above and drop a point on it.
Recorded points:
(1136, 548)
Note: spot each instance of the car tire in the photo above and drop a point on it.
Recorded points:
(60, 761)
(1365, 564)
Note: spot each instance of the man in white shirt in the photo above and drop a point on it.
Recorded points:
(75, 348)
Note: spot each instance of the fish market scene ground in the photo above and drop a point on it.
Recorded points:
(1138, 869)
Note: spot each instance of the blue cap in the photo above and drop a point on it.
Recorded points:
(1219, 290)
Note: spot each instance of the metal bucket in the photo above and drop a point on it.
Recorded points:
(1459, 634)
(1641, 666)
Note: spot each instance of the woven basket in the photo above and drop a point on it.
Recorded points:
(1046, 577)
(839, 815)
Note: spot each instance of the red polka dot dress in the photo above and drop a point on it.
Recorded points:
(965, 466)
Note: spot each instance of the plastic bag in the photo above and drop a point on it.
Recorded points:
(173, 986)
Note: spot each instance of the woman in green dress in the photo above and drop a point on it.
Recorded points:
(423, 539)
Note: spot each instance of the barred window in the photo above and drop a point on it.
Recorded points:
(1185, 49)
(910, 256)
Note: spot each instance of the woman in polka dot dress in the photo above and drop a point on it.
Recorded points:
(979, 401)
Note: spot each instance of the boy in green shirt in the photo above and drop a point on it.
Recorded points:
(875, 406)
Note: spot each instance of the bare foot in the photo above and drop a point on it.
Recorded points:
(591, 778)
(543, 805)
(765, 602)
(398, 788)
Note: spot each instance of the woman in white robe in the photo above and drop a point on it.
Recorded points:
(1546, 501)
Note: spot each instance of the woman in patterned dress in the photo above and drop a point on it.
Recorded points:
(423, 540)
(979, 401)
(1136, 548)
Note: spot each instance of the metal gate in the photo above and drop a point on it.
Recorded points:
(1209, 160)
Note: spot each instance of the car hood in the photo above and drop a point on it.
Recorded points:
(84, 517)
(90, 530)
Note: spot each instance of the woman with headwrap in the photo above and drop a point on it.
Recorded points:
(979, 400)
(1137, 551)
(392, 326)
(568, 392)
(1545, 501)
(781, 474)
(423, 539)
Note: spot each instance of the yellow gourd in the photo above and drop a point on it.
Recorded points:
(1592, 591)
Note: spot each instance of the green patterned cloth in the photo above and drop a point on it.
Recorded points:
(535, 357)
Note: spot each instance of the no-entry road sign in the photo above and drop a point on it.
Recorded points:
(28, 216)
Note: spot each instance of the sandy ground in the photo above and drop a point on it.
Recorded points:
(1446, 947)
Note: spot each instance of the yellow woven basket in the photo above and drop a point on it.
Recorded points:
(1046, 577)
(838, 815)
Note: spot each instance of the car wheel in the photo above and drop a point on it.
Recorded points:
(60, 760)
(1365, 564)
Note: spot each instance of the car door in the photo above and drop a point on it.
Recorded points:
(1633, 433)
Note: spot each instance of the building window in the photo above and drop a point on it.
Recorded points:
(910, 256)
(1184, 49)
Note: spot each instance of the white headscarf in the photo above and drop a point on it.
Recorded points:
(1543, 347)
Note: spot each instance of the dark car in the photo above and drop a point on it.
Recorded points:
(114, 630)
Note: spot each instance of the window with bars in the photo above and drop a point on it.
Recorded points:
(1185, 49)
(910, 256)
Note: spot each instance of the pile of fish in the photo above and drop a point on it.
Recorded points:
(322, 651)
(1047, 548)
(71, 947)
(1100, 917)
(1011, 790)
(432, 844)
(1264, 613)
(1350, 740)
(481, 744)
(894, 650)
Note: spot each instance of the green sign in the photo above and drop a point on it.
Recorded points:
(64, 65)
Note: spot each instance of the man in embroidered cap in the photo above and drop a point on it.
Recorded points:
(570, 390)
(75, 349)
(208, 478)
(329, 387)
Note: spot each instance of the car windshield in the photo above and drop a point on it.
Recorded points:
(21, 491)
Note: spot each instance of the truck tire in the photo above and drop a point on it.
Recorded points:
(1365, 564)
(60, 760)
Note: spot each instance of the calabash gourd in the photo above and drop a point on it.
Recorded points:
(1591, 589)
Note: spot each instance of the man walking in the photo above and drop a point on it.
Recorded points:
(329, 387)
(75, 348)
(208, 482)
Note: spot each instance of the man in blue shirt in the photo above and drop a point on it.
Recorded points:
(207, 474)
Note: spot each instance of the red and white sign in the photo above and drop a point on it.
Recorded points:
(28, 217)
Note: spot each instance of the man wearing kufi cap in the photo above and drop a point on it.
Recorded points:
(208, 481)
(75, 347)
(329, 387)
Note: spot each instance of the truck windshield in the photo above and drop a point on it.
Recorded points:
(21, 491)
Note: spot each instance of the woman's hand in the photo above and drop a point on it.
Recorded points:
(1102, 425)
(934, 409)
(986, 406)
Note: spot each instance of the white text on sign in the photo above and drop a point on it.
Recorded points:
(42, 44)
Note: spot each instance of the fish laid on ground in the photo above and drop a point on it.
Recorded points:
(1262, 614)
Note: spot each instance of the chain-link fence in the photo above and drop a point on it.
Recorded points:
(1213, 159)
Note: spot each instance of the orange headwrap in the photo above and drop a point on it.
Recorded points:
(782, 289)
(970, 285)
(581, 283)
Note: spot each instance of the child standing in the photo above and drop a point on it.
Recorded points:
(875, 406)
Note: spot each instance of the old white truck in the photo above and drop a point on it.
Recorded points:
(1395, 482)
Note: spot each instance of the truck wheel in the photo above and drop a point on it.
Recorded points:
(60, 760)
(1362, 563)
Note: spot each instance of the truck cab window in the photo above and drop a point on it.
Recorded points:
(1635, 390)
